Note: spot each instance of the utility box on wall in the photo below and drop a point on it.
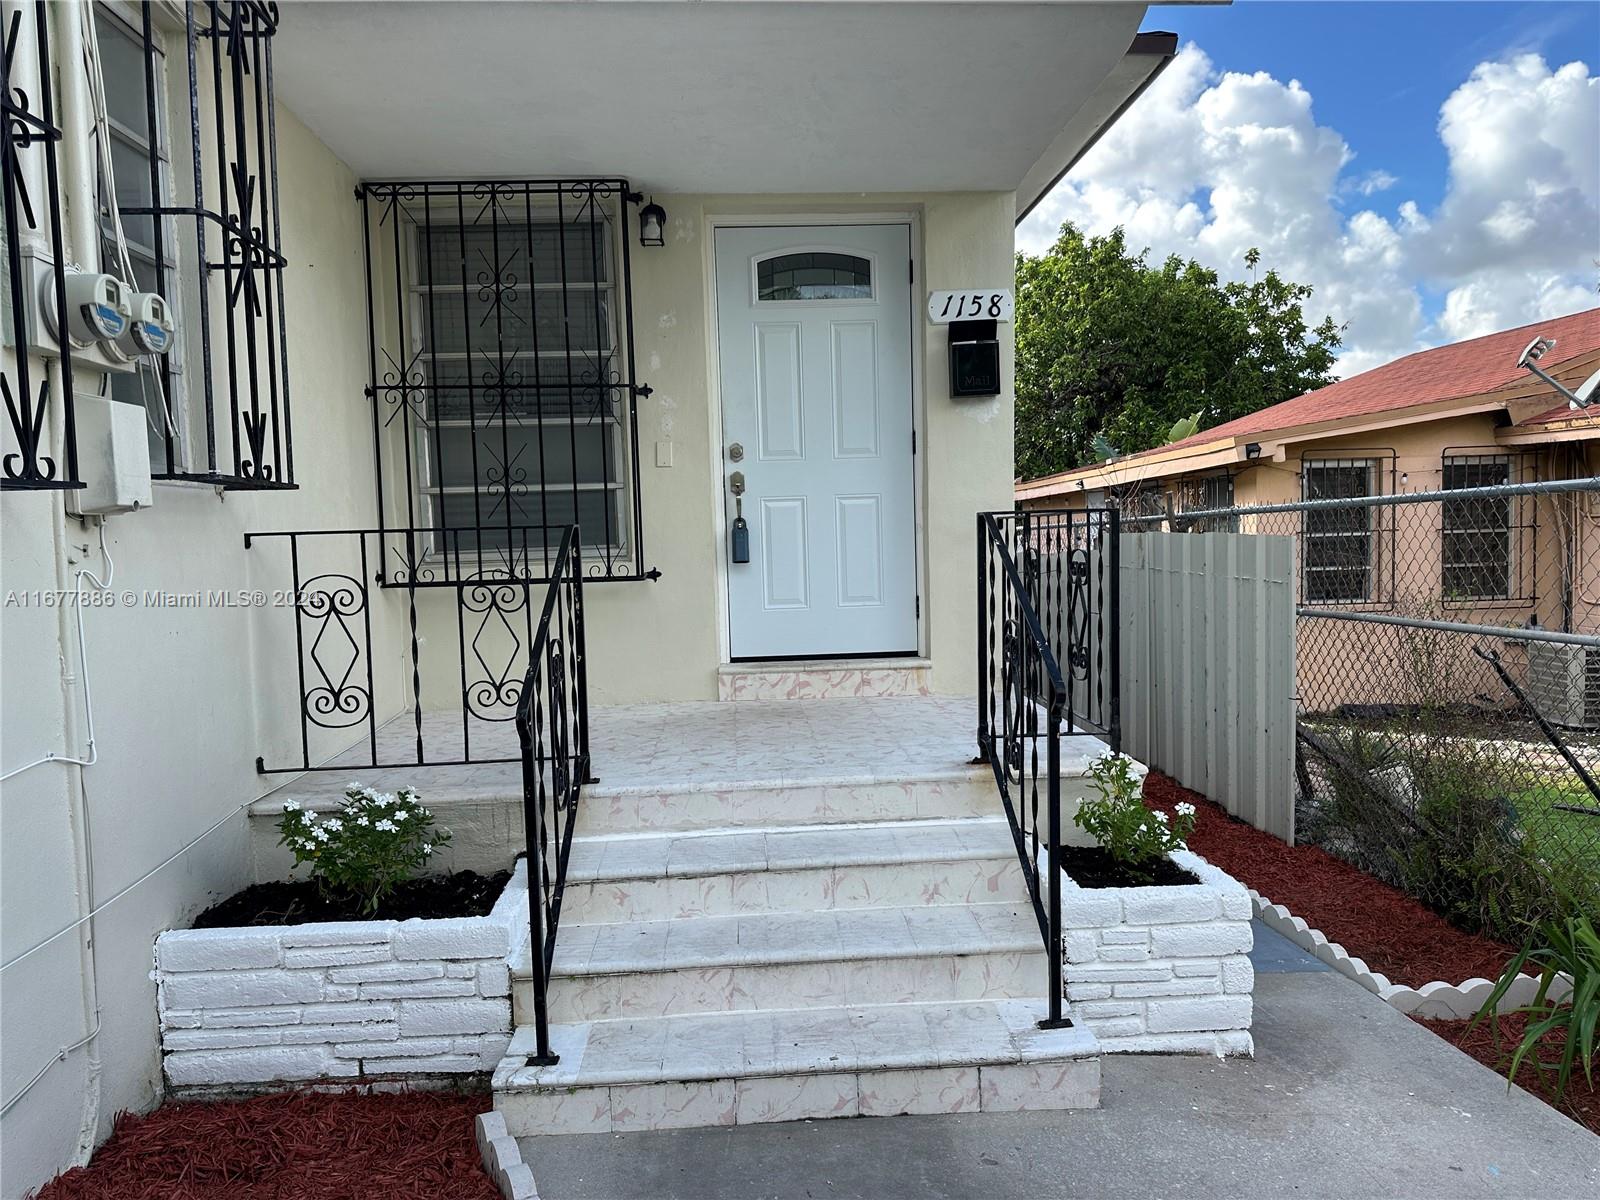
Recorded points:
(974, 359)
(113, 457)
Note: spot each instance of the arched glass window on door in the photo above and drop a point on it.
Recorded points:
(814, 275)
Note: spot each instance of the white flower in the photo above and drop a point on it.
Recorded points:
(334, 824)
(291, 806)
(427, 847)
(353, 786)
(369, 793)
(1184, 808)
(1161, 816)
(320, 834)
(362, 821)
(386, 826)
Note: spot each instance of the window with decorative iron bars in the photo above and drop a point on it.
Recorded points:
(1337, 549)
(503, 385)
(225, 268)
(1475, 534)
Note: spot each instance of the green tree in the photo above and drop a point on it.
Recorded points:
(1113, 350)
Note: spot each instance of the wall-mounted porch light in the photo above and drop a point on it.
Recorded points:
(1253, 450)
(652, 224)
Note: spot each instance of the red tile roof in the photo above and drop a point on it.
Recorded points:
(1462, 369)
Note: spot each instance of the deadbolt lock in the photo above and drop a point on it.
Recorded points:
(736, 452)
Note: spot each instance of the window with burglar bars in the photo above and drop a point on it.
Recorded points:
(205, 239)
(503, 383)
(1209, 492)
(1337, 548)
(1475, 534)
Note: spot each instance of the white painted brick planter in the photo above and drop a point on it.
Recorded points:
(340, 999)
(1162, 969)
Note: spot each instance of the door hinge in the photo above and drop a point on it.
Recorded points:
(913, 441)
(911, 270)
(919, 607)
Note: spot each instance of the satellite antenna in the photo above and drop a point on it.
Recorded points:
(1528, 360)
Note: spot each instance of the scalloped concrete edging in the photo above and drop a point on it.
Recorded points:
(502, 1158)
(1450, 1001)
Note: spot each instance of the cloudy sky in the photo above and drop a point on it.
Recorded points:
(1432, 169)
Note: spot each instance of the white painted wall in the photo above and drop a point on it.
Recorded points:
(178, 697)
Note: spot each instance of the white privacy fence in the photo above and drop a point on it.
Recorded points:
(1208, 667)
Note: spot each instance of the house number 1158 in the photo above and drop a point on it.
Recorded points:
(972, 304)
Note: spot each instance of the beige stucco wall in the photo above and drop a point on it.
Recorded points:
(664, 640)
(184, 699)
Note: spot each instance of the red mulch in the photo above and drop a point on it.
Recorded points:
(1582, 1099)
(291, 1146)
(1393, 933)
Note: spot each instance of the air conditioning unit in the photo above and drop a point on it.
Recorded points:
(1564, 683)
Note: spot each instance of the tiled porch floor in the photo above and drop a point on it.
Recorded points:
(696, 746)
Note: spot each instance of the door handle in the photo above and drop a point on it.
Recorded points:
(739, 548)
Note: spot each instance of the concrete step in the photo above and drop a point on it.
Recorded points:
(789, 960)
(678, 874)
(749, 1067)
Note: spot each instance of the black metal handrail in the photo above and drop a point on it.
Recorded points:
(553, 730)
(1024, 698)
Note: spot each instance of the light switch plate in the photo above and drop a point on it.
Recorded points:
(663, 454)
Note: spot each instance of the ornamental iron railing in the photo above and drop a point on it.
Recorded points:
(553, 734)
(396, 621)
(1046, 583)
(31, 185)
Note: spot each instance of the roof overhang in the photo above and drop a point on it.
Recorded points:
(717, 97)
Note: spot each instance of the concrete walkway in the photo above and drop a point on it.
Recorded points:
(1346, 1098)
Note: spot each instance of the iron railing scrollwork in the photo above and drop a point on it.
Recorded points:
(28, 140)
(1047, 596)
(361, 597)
(552, 716)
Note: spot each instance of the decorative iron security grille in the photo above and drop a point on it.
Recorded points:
(28, 137)
(504, 402)
(230, 237)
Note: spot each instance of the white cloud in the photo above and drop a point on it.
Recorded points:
(1208, 165)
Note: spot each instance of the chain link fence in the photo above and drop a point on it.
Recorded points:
(1448, 682)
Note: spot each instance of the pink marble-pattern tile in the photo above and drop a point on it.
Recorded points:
(931, 1090)
(1041, 1085)
(578, 1110)
(797, 1098)
(673, 1105)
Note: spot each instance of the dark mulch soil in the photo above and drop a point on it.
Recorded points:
(1582, 1099)
(1092, 867)
(1395, 934)
(297, 901)
(291, 1146)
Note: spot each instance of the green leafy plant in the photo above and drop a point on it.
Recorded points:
(375, 841)
(1136, 838)
(1567, 950)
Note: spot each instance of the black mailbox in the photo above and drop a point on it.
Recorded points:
(974, 359)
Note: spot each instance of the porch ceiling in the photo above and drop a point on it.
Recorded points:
(723, 97)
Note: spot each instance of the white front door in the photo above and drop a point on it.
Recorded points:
(814, 337)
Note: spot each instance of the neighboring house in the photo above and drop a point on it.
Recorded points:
(1458, 416)
(443, 279)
